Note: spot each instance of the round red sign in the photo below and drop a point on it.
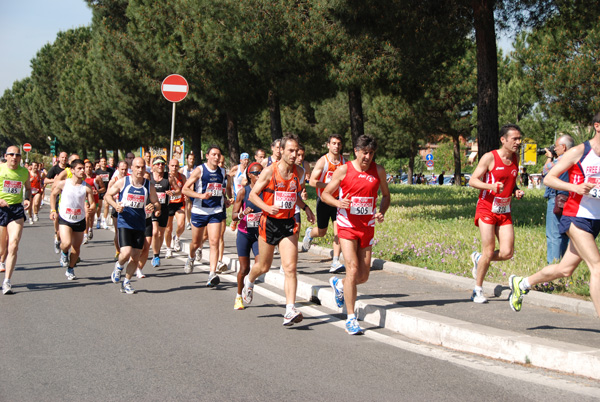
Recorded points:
(174, 88)
(27, 147)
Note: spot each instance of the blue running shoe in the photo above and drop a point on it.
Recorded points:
(353, 328)
(64, 260)
(156, 262)
(116, 273)
(98, 224)
(339, 294)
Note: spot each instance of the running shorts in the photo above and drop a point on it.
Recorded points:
(201, 221)
(325, 213)
(274, 230)
(246, 242)
(77, 226)
(591, 226)
(148, 231)
(11, 213)
(364, 235)
(131, 238)
(163, 219)
(173, 208)
(491, 218)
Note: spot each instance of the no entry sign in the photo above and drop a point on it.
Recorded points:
(174, 88)
(27, 147)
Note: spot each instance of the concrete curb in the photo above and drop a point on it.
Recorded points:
(444, 331)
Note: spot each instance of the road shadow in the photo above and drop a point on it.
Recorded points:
(552, 327)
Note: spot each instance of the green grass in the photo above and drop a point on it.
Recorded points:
(432, 227)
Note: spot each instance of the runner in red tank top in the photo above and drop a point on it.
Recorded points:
(276, 193)
(97, 185)
(36, 178)
(358, 182)
(499, 169)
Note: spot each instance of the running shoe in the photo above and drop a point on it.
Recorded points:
(515, 298)
(247, 291)
(352, 327)
(239, 304)
(221, 267)
(56, 246)
(116, 273)
(213, 280)
(276, 250)
(98, 222)
(478, 297)
(176, 244)
(198, 255)
(233, 226)
(31, 221)
(70, 274)
(64, 259)
(85, 239)
(475, 258)
(156, 261)
(337, 293)
(36, 217)
(109, 221)
(189, 266)
(7, 288)
(103, 225)
(117, 256)
(189, 226)
(127, 288)
(292, 317)
(281, 271)
(307, 240)
(169, 254)
(91, 234)
(139, 274)
(2, 267)
(336, 267)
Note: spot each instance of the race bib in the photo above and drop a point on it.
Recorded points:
(215, 189)
(74, 214)
(34, 191)
(104, 177)
(253, 219)
(134, 201)
(361, 205)
(285, 199)
(595, 192)
(328, 176)
(162, 197)
(501, 205)
(176, 198)
(12, 187)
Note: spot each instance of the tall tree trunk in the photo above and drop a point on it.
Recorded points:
(275, 115)
(487, 76)
(233, 142)
(457, 167)
(411, 162)
(196, 147)
(357, 123)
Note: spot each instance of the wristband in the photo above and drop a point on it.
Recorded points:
(241, 215)
(305, 206)
(52, 210)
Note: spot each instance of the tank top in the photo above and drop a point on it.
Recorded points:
(362, 189)
(91, 181)
(36, 183)
(161, 186)
(270, 161)
(212, 181)
(177, 199)
(249, 223)
(282, 193)
(587, 170)
(501, 173)
(104, 175)
(72, 202)
(12, 183)
(328, 170)
(134, 201)
(237, 180)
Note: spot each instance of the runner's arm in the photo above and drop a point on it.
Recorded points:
(114, 189)
(154, 202)
(90, 199)
(236, 214)
(385, 194)
(569, 158)
(485, 165)
(188, 187)
(316, 174)
(27, 193)
(259, 186)
(327, 194)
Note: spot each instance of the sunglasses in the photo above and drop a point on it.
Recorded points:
(15, 154)
(255, 173)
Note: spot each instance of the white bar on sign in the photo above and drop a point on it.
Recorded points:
(175, 88)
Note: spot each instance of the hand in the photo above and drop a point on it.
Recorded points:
(119, 208)
(549, 154)
(247, 211)
(3, 203)
(519, 194)
(497, 187)
(379, 216)
(169, 193)
(345, 203)
(304, 195)
(157, 213)
(228, 202)
(53, 215)
(309, 215)
(272, 210)
(205, 196)
(26, 204)
(584, 188)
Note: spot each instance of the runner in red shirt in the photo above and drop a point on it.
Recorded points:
(358, 182)
(499, 170)
(97, 185)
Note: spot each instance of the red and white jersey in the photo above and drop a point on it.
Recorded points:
(501, 173)
(328, 170)
(361, 187)
(586, 170)
(36, 182)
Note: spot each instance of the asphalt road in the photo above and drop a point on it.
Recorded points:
(178, 340)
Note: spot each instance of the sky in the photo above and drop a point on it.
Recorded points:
(27, 25)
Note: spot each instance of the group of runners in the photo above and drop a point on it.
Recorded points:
(268, 197)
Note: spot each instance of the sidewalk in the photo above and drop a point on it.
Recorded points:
(553, 332)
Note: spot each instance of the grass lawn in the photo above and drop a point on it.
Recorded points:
(432, 227)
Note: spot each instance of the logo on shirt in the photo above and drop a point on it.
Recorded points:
(367, 177)
(590, 170)
(514, 173)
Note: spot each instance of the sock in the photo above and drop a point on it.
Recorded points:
(126, 281)
(351, 317)
(340, 285)
(289, 307)
(335, 260)
(248, 283)
(119, 267)
(239, 295)
(156, 255)
(524, 285)
(478, 288)
(6, 280)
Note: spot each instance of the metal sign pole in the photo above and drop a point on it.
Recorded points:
(172, 132)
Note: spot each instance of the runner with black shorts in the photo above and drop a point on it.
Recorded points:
(176, 210)
(120, 173)
(105, 172)
(132, 207)
(51, 178)
(248, 216)
(76, 202)
(276, 194)
(95, 183)
(15, 197)
(165, 185)
(353, 191)
(186, 171)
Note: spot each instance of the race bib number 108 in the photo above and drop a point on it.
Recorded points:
(285, 199)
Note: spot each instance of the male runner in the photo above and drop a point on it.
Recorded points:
(76, 201)
(321, 175)
(275, 153)
(499, 170)
(105, 172)
(276, 194)
(186, 171)
(176, 210)
(206, 186)
(120, 173)
(165, 186)
(260, 155)
(237, 176)
(36, 178)
(133, 191)
(97, 186)
(51, 177)
(580, 220)
(15, 197)
(353, 190)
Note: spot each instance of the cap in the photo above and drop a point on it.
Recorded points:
(244, 156)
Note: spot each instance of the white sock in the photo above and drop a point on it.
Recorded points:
(335, 260)
(340, 285)
(6, 280)
(524, 285)
(351, 317)
(289, 307)
(239, 295)
(126, 281)
(479, 288)
(247, 282)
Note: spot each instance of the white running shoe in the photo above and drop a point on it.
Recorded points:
(56, 246)
(189, 266)
(36, 217)
(247, 292)
(169, 253)
(336, 267)
(478, 297)
(139, 274)
(2, 267)
(475, 256)
(221, 267)
(127, 288)
(85, 238)
(292, 317)
(213, 280)
(198, 255)
(103, 224)
(176, 244)
(31, 221)
(70, 274)
(189, 226)
(307, 240)
(7, 288)
(91, 233)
